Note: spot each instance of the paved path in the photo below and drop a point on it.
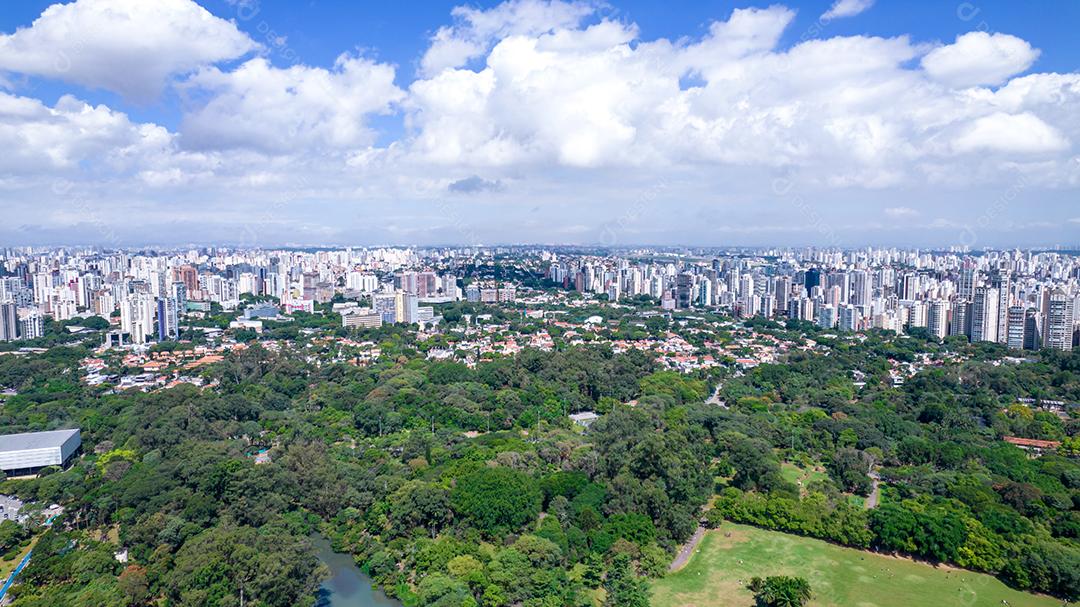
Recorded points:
(11, 580)
(875, 495)
(688, 550)
(715, 398)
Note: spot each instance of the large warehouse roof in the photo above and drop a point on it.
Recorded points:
(35, 440)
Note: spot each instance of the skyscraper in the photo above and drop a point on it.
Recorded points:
(167, 319)
(189, 276)
(862, 288)
(9, 322)
(848, 318)
(937, 321)
(1000, 281)
(984, 314)
(826, 317)
(137, 317)
(684, 290)
(410, 310)
(1032, 330)
(1059, 322)
(1015, 331)
(31, 324)
(969, 277)
(961, 319)
(908, 287)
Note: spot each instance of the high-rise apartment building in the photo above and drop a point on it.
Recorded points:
(961, 319)
(1015, 337)
(1000, 281)
(9, 322)
(984, 314)
(1058, 332)
(937, 318)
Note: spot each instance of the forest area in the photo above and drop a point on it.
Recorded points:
(453, 485)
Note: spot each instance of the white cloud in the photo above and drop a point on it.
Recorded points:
(846, 8)
(475, 30)
(843, 111)
(840, 112)
(289, 110)
(1020, 133)
(72, 136)
(979, 58)
(131, 47)
(554, 102)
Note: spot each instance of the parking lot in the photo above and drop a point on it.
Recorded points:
(9, 507)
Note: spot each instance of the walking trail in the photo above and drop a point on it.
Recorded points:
(688, 549)
(875, 495)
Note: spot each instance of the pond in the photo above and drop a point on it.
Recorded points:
(347, 586)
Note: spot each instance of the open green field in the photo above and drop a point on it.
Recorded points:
(717, 574)
(801, 477)
(7, 566)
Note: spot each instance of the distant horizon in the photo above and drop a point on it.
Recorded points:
(1073, 248)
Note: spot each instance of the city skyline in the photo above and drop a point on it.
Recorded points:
(804, 123)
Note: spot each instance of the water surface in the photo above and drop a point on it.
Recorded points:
(347, 586)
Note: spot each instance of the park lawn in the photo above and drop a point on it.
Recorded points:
(727, 558)
(6, 567)
(801, 477)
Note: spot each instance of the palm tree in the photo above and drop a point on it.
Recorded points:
(784, 591)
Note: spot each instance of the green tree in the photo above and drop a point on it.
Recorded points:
(494, 499)
(419, 504)
(784, 591)
(624, 589)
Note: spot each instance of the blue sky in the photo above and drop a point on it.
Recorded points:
(922, 123)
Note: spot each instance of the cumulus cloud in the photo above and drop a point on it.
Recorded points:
(1020, 133)
(277, 110)
(475, 30)
(979, 58)
(846, 8)
(570, 104)
(131, 47)
(39, 139)
(847, 111)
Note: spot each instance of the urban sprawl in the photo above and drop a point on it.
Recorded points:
(1023, 299)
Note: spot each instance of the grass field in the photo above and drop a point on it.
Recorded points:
(6, 567)
(801, 477)
(716, 576)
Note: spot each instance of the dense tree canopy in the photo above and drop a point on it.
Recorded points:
(460, 485)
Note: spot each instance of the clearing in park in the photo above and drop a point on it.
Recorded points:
(727, 558)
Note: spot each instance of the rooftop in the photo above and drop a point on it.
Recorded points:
(35, 440)
(1032, 442)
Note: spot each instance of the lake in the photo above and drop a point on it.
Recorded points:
(347, 586)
